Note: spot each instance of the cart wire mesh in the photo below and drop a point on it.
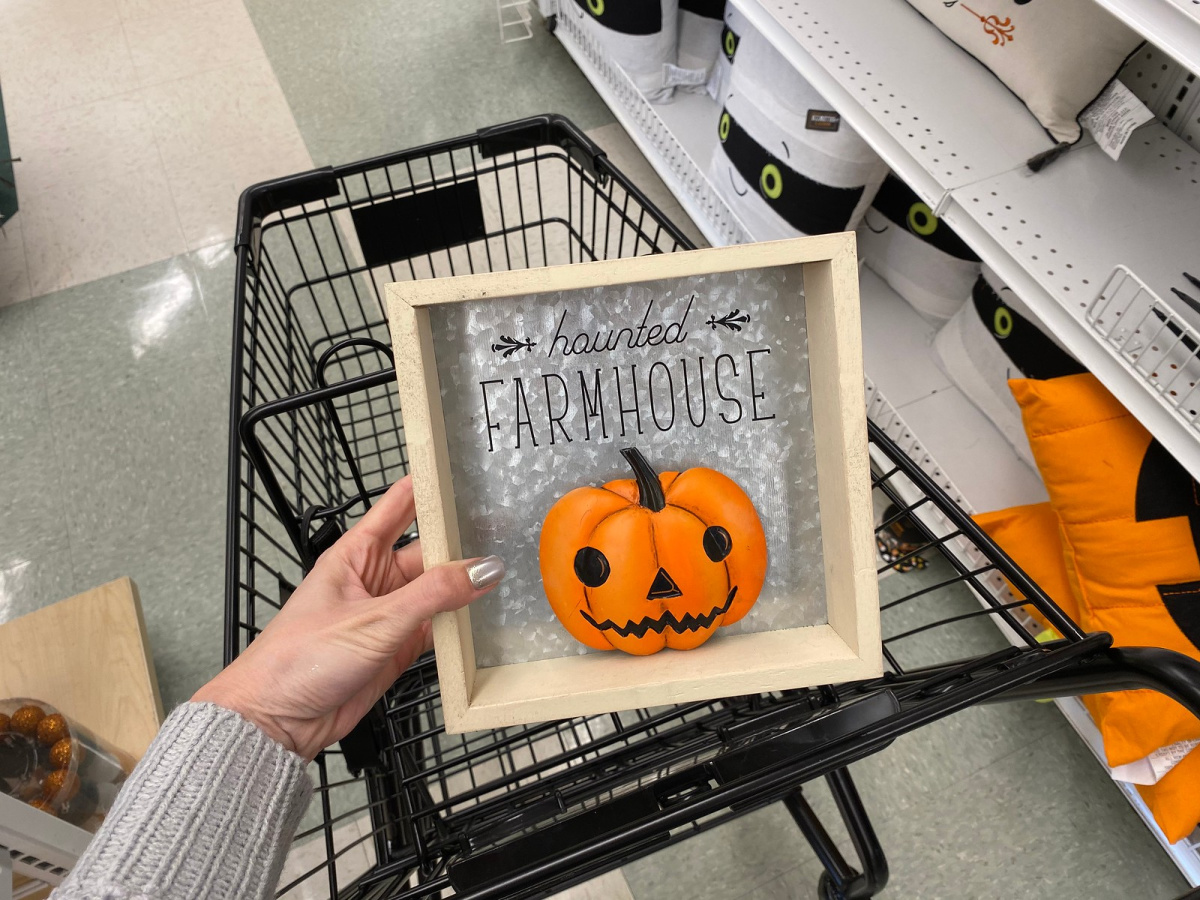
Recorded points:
(404, 809)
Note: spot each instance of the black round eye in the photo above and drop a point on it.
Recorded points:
(717, 543)
(591, 567)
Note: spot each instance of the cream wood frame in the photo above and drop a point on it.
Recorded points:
(847, 648)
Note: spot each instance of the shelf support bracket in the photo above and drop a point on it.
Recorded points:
(942, 204)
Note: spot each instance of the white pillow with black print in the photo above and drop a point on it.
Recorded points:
(916, 253)
(994, 337)
(785, 162)
(640, 36)
(1056, 55)
(733, 26)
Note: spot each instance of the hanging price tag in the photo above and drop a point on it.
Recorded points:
(1113, 116)
(1151, 769)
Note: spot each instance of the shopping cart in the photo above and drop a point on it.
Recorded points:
(405, 810)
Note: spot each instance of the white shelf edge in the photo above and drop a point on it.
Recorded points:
(1164, 24)
(620, 106)
(42, 847)
(889, 148)
(1185, 856)
(1103, 361)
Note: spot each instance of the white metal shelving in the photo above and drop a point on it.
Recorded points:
(936, 116)
(692, 116)
(35, 844)
(955, 133)
(1036, 232)
(972, 139)
(1173, 25)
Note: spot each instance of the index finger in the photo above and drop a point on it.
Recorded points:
(390, 515)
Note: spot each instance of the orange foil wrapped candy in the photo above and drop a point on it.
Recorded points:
(53, 729)
(61, 785)
(26, 720)
(61, 753)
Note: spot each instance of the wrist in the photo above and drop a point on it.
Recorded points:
(226, 695)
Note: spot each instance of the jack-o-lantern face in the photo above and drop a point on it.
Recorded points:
(659, 561)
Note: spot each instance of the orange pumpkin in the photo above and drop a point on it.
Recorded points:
(658, 561)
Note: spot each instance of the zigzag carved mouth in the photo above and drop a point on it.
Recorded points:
(665, 621)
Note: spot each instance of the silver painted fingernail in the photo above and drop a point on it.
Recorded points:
(485, 573)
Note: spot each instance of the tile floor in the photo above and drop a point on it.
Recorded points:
(138, 122)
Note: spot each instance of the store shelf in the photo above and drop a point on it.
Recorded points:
(960, 137)
(962, 449)
(954, 138)
(1172, 25)
(1037, 233)
(41, 847)
(937, 117)
(680, 165)
(973, 463)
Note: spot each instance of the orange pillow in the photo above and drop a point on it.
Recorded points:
(1130, 513)
(1130, 526)
(1029, 534)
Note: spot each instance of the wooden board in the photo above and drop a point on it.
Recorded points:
(20, 883)
(845, 649)
(88, 656)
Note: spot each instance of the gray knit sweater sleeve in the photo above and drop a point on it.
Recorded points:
(208, 814)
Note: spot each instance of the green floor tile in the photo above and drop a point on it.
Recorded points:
(28, 584)
(137, 330)
(367, 77)
(120, 470)
(23, 375)
(1044, 822)
(729, 861)
(153, 509)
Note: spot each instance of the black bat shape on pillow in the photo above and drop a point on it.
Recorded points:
(1165, 490)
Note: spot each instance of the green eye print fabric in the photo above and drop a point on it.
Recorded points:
(625, 16)
(807, 205)
(900, 204)
(729, 42)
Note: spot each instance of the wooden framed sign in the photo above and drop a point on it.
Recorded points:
(670, 454)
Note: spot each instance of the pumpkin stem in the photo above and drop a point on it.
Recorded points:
(650, 492)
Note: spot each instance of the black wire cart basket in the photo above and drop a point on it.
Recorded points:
(405, 810)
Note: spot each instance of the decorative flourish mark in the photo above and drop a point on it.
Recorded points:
(1001, 30)
(507, 346)
(733, 321)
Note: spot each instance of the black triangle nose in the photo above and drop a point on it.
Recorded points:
(664, 587)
